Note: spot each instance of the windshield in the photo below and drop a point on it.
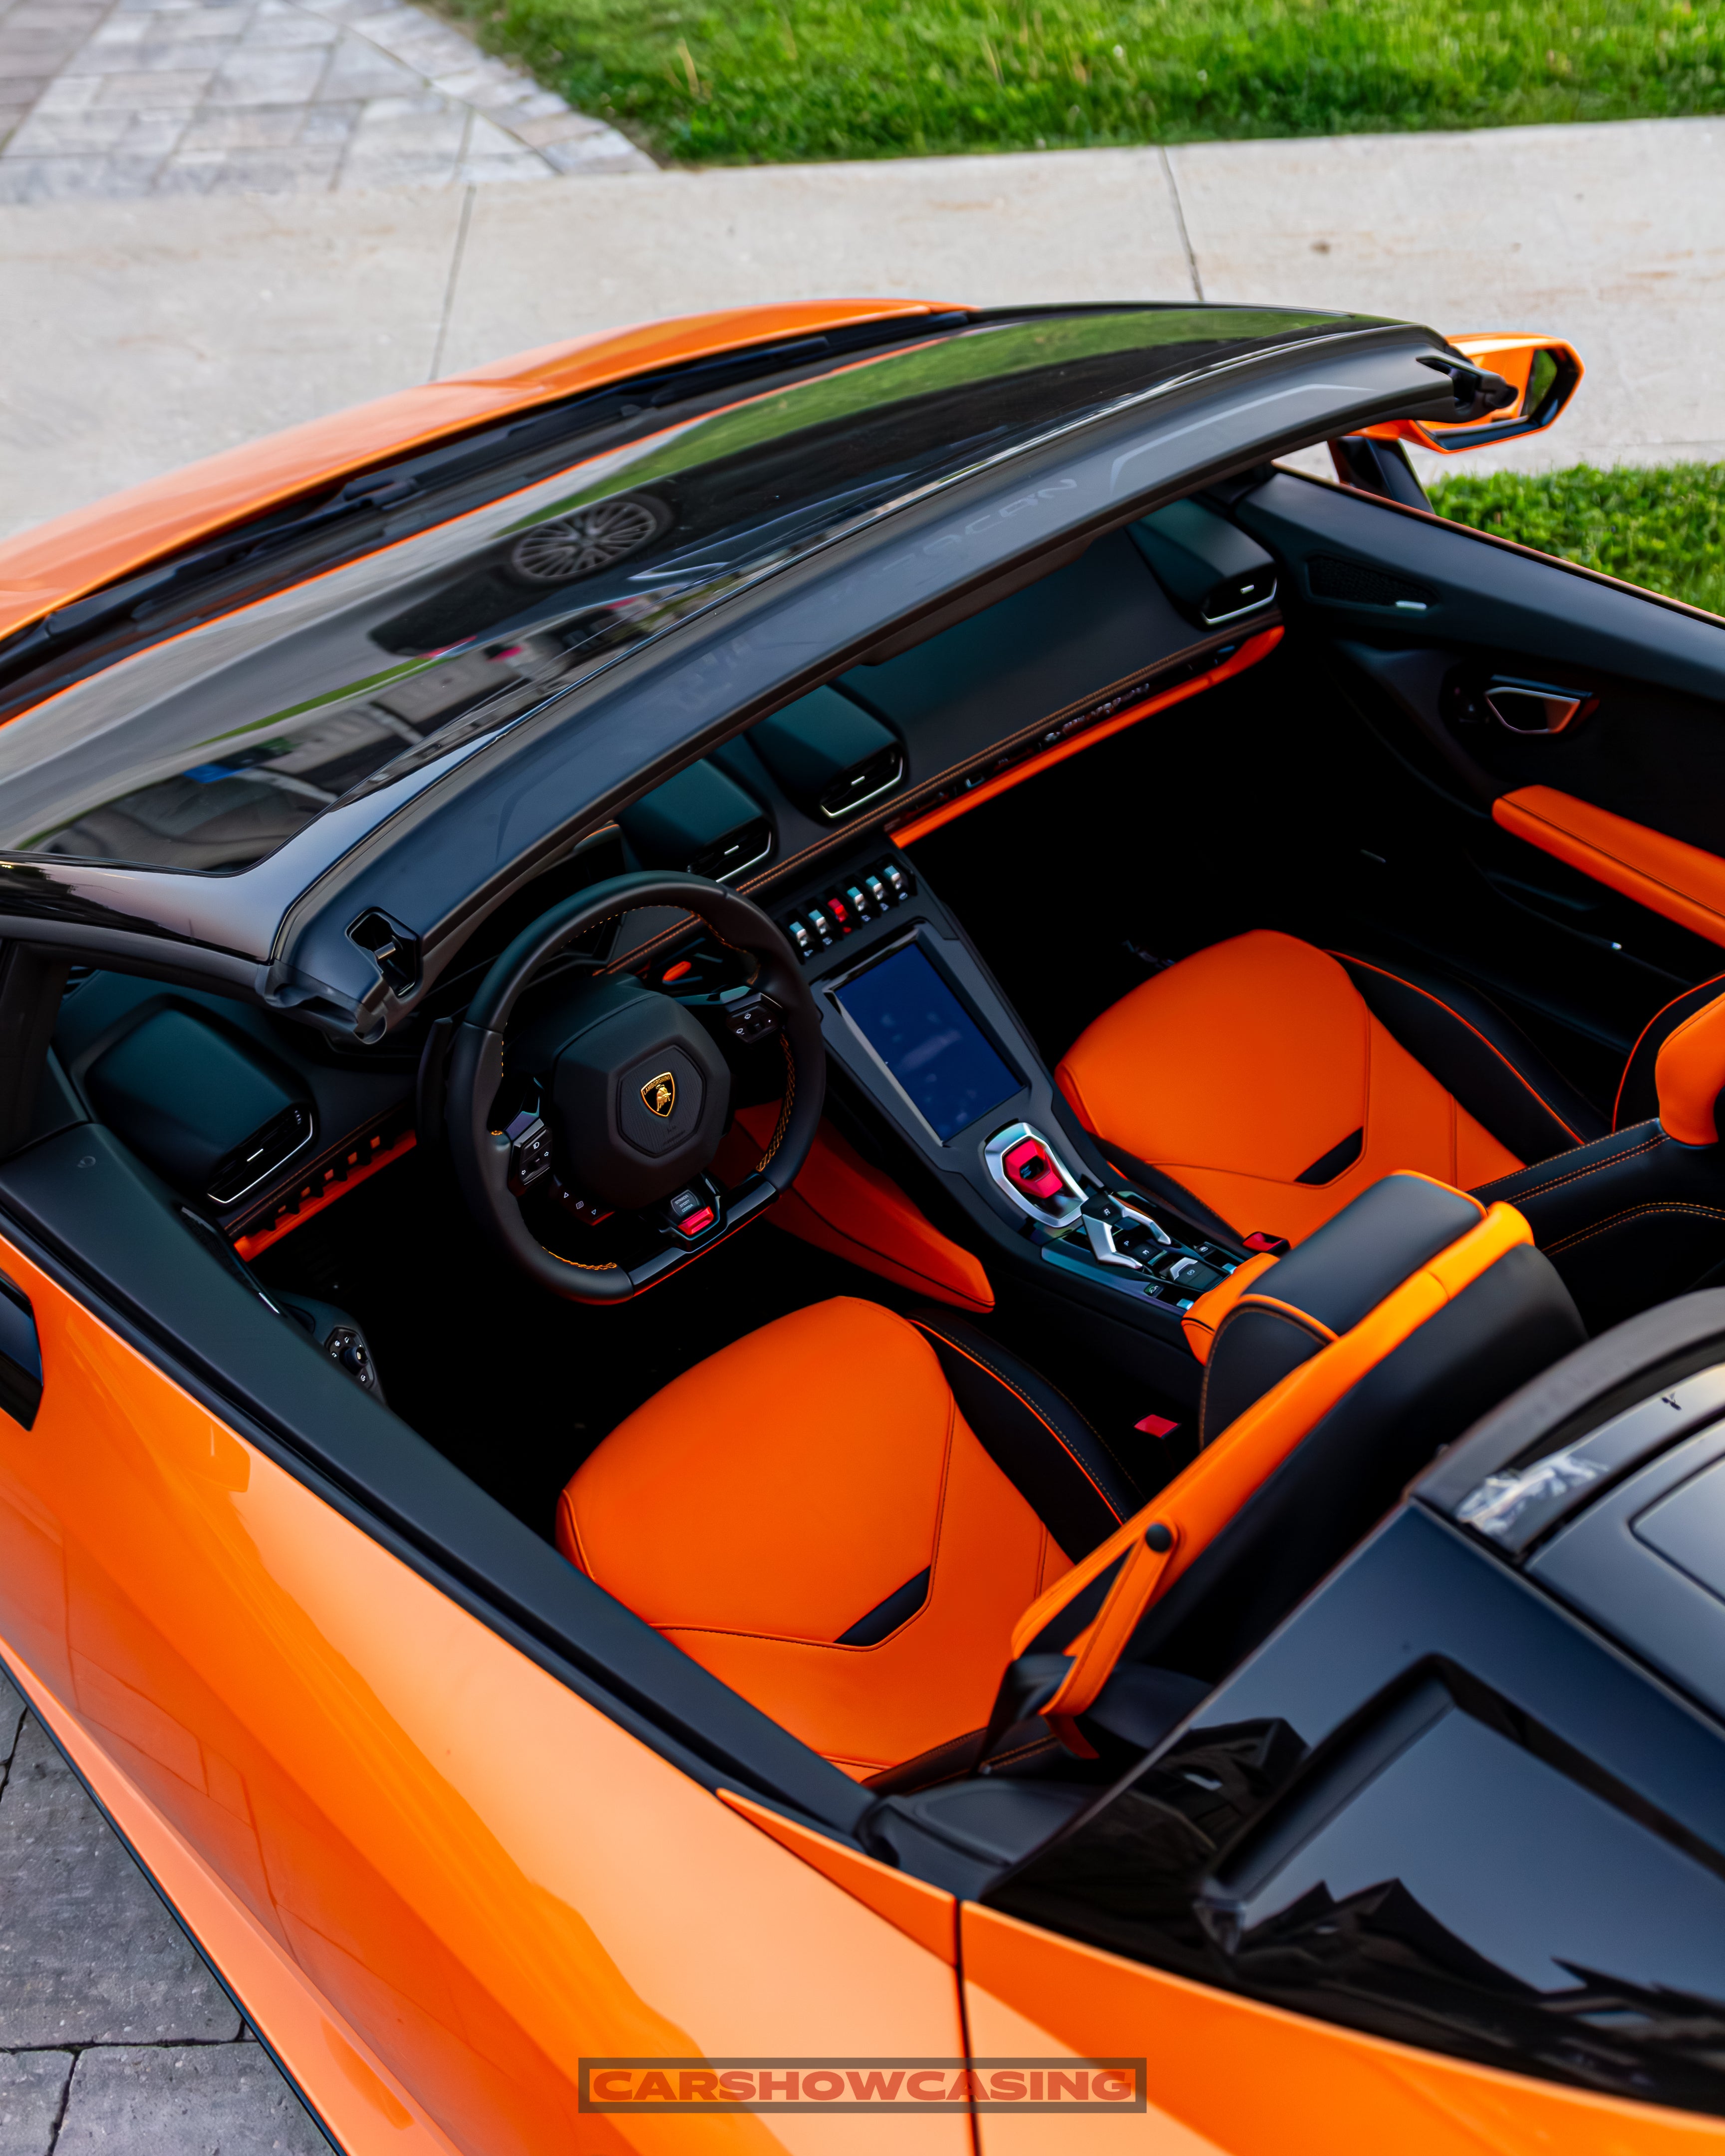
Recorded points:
(211, 748)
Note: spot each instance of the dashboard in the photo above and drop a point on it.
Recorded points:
(261, 1123)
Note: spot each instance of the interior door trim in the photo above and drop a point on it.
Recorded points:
(1667, 875)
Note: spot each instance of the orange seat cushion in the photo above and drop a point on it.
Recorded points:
(767, 1500)
(1242, 1067)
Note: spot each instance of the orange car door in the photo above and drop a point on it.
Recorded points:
(436, 1875)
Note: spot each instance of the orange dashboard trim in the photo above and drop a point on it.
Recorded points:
(1667, 875)
(253, 1245)
(1250, 653)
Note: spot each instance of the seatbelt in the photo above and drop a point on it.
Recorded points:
(1065, 1645)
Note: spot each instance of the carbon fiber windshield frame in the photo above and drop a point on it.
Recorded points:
(1151, 403)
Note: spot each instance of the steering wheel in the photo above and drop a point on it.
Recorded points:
(633, 1091)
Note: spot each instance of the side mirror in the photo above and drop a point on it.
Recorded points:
(1544, 373)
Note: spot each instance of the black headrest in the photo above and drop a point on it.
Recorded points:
(1327, 1286)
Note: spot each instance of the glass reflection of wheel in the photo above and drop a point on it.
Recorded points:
(591, 538)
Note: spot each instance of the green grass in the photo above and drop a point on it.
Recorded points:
(746, 81)
(1662, 526)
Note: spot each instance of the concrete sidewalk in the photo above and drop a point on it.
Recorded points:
(136, 335)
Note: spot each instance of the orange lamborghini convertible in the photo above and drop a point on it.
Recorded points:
(857, 1221)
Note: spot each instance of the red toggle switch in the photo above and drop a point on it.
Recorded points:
(695, 1223)
(1030, 1168)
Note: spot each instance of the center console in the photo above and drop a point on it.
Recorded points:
(915, 1022)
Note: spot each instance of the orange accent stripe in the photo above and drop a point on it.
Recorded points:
(1200, 1501)
(924, 1913)
(1716, 980)
(1202, 1323)
(1687, 1075)
(260, 1239)
(1667, 875)
(1250, 653)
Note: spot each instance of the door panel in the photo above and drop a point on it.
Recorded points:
(481, 1875)
(1407, 624)
(1681, 882)
(1230, 2074)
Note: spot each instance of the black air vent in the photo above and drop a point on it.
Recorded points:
(1330, 577)
(257, 1157)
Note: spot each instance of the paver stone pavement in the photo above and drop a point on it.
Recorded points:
(107, 98)
(114, 2035)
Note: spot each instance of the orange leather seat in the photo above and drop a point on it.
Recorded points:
(1255, 1074)
(857, 1521)
(812, 1516)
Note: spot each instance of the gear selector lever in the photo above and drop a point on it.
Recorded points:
(1120, 1233)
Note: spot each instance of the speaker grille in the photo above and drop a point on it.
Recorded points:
(1330, 577)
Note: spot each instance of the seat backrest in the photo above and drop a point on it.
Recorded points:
(1332, 1379)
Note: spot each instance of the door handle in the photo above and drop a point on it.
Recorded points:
(20, 1355)
(1534, 707)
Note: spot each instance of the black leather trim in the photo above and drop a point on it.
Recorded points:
(1334, 1277)
(1629, 1221)
(1254, 1349)
(1372, 1245)
(1337, 1161)
(884, 1620)
(1033, 1434)
(1637, 1097)
(1477, 1055)
(1515, 1321)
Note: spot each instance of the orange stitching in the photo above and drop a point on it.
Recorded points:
(1581, 1175)
(1635, 1213)
(1384, 973)
(785, 1111)
(1000, 1379)
(1252, 1300)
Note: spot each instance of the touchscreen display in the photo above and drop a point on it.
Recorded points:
(922, 1033)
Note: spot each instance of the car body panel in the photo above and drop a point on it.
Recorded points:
(449, 1818)
(1233, 2074)
(365, 1767)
